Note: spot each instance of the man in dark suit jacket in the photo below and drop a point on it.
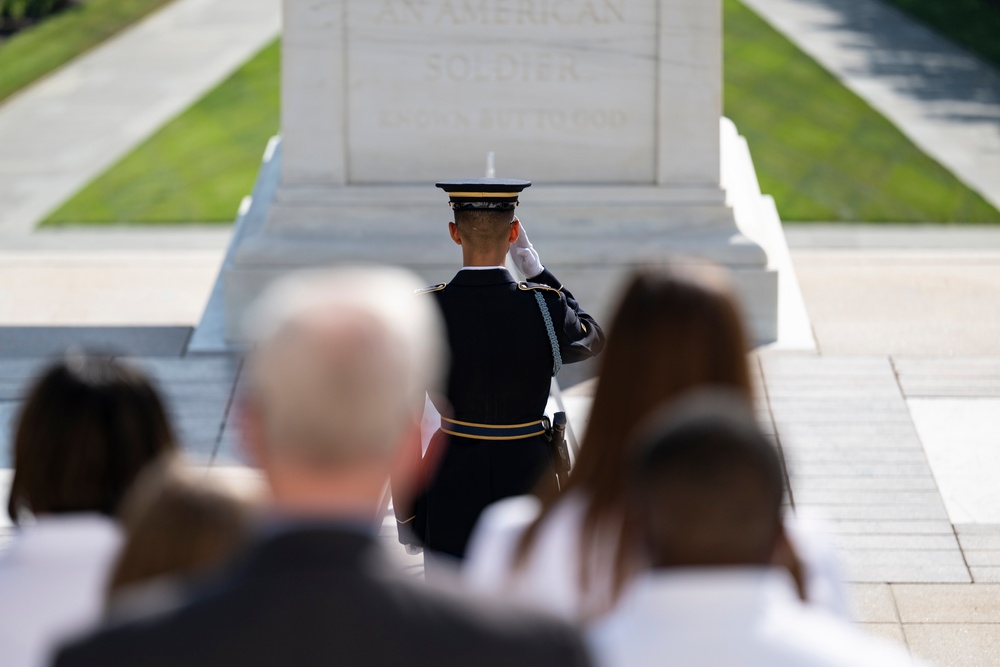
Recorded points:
(336, 388)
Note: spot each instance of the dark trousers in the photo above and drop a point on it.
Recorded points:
(471, 475)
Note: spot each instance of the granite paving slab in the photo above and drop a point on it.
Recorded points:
(940, 603)
(889, 631)
(819, 455)
(861, 440)
(948, 377)
(935, 388)
(962, 440)
(873, 603)
(895, 542)
(930, 511)
(904, 565)
(889, 528)
(800, 469)
(978, 542)
(923, 483)
(985, 575)
(200, 368)
(981, 545)
(956, 644)
(982, 557)
(866, 497)
(977, 528)
(847, 441)
(29, 341)
(898, 433)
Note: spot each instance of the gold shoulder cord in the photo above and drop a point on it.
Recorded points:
(432, 288)
(525, 287)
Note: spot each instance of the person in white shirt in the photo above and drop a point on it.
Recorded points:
(706, 490)
(675, 330)
(87, 427)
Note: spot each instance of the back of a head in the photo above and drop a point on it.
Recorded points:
(343, 360)
(89, 425)
(706, 484)
(484, 228)
(178, 523)
(676, 329)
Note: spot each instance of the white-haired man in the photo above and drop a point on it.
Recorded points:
(336, 388)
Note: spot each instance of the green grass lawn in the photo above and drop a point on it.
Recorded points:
(199, 166)
(820, 150)
(975, 24)
(36, 51)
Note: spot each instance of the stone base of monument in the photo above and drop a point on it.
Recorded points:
(591, 237)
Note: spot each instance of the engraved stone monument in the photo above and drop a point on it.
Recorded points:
(611, 107)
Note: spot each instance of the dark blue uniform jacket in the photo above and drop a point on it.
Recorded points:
(501, 368)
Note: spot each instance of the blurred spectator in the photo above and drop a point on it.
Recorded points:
(336, 388)
(707, 490)
(571, 554)
(179, 525)
(87, 428)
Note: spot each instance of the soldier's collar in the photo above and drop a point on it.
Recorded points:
(498, 276)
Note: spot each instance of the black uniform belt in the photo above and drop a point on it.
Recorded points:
(492, 431)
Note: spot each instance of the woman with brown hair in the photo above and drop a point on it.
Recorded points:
(180, 526)
(572, 553)
(88, 426)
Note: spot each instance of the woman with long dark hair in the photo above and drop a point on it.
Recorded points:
(675, 330)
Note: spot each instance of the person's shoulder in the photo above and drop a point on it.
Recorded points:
(136, 641)
(455, 627)
(161, 631)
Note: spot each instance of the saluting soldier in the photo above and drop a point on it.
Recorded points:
(507, 340)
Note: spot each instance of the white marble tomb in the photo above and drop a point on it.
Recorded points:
(611, 107)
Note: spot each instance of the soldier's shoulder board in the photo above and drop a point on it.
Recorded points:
(525, 287)
(432, 288)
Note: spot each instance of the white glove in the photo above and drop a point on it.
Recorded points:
(524, 256)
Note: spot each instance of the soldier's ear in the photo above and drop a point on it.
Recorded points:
(453, 231)
(515, 230)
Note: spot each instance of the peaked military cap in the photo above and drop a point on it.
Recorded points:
(500, 193)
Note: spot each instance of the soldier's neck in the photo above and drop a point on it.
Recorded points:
(494, 257)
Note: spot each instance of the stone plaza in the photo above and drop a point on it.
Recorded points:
(878, 357)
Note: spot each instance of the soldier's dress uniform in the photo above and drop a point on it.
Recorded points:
(503, 356)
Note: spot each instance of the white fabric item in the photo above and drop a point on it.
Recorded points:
(52, 583)
(729, 617)
(549, 579)
(524, 255)
(824, 576)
